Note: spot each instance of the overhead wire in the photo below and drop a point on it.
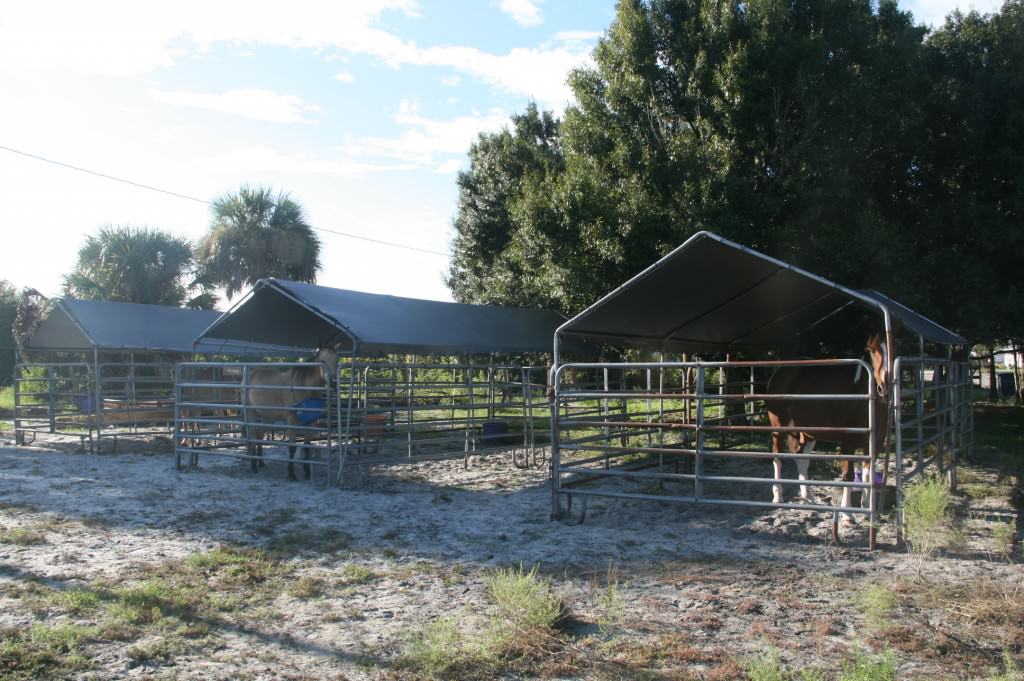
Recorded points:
(179, 195)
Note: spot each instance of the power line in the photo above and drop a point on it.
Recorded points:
(103, 175)
(197, 200)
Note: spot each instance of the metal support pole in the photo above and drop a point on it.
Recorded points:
(698, 466)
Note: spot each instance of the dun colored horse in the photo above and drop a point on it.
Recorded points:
(272, 397)
(810, 413)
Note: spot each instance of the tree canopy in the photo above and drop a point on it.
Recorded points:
(256, 234)
(134, 265)
(839, 136)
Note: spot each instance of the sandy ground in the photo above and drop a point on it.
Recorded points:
(730, 584)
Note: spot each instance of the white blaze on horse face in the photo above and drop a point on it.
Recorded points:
(330, 358)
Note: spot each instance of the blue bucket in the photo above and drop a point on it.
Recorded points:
(314, 407)
(495, 428)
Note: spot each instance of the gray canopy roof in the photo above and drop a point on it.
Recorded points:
(712, 294)
(75, 325)
(305, 316)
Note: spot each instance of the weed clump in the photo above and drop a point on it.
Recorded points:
(878, 603)
(927, 517)
(523, 627)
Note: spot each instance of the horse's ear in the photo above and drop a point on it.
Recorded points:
(874, 342)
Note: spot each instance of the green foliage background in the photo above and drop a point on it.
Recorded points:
(839, 136)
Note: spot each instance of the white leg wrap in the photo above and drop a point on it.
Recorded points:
(801, 468)
(777, 489)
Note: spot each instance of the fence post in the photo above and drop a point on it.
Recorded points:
(698, 466)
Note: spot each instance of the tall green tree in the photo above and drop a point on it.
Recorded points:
(971, 194)
(134, 265)
(788, 126)
(491, 249)
(8, 311)
(256, 233)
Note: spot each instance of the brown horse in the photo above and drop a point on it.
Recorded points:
(273, 394)
(826, 380)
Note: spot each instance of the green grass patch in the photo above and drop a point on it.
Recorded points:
(43, 651)
(440, 650)
(307, 587)
(865, 668)
(7, 402)
(78, 601)
(524, 600)
(292, 544)
(927, 517)
(521, 631)
(878, 602)
(352, 574)
(22, 536)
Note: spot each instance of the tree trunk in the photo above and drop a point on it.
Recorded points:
(993, 389)
(1018, 392)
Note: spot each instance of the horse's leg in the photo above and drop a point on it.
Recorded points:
(291, 454)
(802, 465)
(777, 468)
(306, 468)
(252, 448)
(847, 519)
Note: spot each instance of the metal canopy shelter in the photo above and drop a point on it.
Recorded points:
(88, 325)
(76, 325)
(108, 365)
(658, 422)
(305, 316)
(713, 294)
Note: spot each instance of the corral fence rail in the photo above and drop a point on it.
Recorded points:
(933, 418)
(691, 432)
(375, 413)
(395, 412)
(54, 397)
(215, 415)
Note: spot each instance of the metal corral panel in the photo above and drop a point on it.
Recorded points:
(302, 316)
(713, 294)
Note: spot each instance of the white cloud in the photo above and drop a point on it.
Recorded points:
(449, 167)
(126, 37)
(260, 105)
(426, 143)
(345, 77)
(451, 81)
(262, 159)
(577, 36)
(523, 12)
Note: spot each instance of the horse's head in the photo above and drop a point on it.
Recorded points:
(876, 351)
(329, 357)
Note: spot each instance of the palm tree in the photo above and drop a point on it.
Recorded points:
(133, 265)
(255, 234)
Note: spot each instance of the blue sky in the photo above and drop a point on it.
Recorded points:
(363, 111)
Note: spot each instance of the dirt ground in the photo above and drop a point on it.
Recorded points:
(120, 566)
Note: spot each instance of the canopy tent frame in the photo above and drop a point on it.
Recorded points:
(439, 401)
(99, 369)
(748, 302)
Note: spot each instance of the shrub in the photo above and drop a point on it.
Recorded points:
(864, 668)
(439, 649)
(927, 517)
(877, 603)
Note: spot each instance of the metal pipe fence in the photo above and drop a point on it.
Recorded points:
(54, 398)
(254, 411)
(933, 418)
(404, 412)
(94, 401)
(693, 432)
(377, 412)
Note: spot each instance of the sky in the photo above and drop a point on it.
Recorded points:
(363, 111)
